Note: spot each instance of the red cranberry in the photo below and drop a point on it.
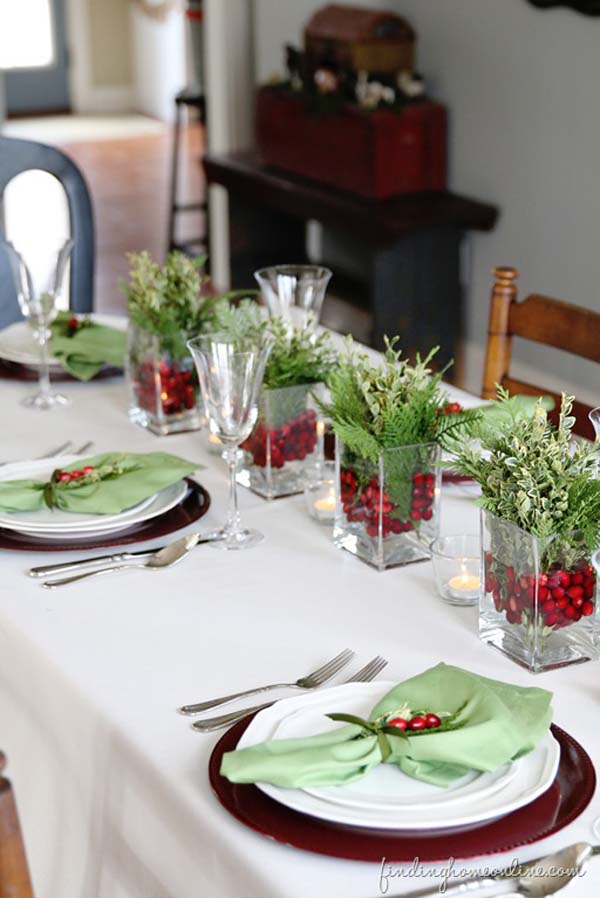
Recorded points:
(575, 592)
(87, 469)
(399, 722)
(63, 477)
(432, 721)
(417, 723)
(587, 608)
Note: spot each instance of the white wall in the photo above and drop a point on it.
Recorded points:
(159, 62)
(522, 89)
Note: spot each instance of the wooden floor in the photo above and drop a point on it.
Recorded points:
(129, 182)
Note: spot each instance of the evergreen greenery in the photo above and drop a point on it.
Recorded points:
(172, 301)
(533, 476)
(374, 408)
(298, 355)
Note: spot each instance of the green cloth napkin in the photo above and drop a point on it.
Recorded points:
(90, 347)
(124, 480)
(496, 723)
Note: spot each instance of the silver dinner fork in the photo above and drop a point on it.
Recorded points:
(58, 450)
(310, 681)
(364, 675)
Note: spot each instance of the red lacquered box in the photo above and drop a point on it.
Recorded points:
(375, 154)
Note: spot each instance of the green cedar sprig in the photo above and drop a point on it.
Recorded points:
(373, 408)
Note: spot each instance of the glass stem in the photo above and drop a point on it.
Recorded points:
(44, 378)
(232, 523)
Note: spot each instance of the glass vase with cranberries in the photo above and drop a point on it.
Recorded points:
(387, 511)
(539, 596)
(168, 304)
(540, 529)
(163, 384)
(286, 441)
(391, 417)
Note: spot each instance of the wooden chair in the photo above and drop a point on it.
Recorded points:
(17, 156)
(14, 874)
(542, 320)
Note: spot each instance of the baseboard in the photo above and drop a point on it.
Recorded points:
(105, 100)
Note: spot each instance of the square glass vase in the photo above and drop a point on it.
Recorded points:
(539, 596)
(163, 383)
(287, 440)
(387, 512)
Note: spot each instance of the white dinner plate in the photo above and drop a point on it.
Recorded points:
(386, 798)
(17, 343)
(56, 524)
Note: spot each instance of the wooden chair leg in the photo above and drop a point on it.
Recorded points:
(499, 342)
(14, 873)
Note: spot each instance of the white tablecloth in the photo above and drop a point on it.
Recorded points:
(111, 782)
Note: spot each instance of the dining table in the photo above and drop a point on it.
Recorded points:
(112, 782)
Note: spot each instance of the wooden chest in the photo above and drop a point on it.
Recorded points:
(374, 154)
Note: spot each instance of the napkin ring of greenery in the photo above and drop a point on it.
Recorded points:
(382, 730)
(54, 486)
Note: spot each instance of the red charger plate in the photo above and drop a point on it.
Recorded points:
(567, 797)
(193, 506)
(15, 371)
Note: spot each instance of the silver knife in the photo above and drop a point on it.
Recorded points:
(119, 558)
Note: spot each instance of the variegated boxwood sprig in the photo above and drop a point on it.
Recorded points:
(533, 476)
(54, 487)
(381, 728)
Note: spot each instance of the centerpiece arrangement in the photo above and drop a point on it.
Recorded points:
(540, 527)
(390, 424)
(288, 436)
(167, 305)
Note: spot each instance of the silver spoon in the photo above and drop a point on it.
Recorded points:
(165, 557)
(538, 878)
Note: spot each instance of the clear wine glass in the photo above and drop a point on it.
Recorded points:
(230, 377)
(38, 296)
(294, 292)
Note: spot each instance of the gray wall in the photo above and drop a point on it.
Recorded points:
(523, 91)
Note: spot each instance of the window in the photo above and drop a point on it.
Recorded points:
(26, 34)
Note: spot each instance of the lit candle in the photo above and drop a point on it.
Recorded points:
(327, 503)
(464, 585)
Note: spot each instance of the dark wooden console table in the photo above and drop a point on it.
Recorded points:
(411, 243)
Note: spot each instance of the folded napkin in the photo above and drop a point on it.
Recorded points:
(491, 723)
(84, 349)
(109, 483)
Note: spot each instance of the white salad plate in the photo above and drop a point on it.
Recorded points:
(52, 523)
(387, 798)
(17, 343)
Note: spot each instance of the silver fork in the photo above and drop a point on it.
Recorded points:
(364, 675)
(310, 681)
(57, 451)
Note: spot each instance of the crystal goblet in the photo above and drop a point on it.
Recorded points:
(294, 292)
(230, 378)
(38, 291)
